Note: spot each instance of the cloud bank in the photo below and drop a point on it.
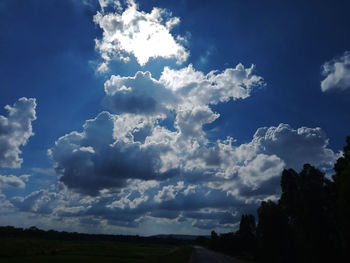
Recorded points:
(149, 159)
(207, 188)
(132, 144)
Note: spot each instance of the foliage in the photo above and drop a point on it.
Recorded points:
(242, 243)
(274, 234)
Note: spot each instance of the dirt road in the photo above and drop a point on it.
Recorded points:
(202, 255)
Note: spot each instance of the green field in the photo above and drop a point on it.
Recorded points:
(28, 250)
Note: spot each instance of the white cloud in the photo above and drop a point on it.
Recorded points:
(185, 94)
(125, 202)
(169, 192)
(254, 168)
(189, 123)
(262, 168)
(145, 35)
(13, 181)
(337, 73)
(15, 131)
(194, 87)
(179, 89)
(294, 146)
(105, 3)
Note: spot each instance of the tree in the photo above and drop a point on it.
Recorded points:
(274, 235)
(247, 226)
(247, 235)
(305, 201)
(342, 182)
(214, 240)
(311, 221)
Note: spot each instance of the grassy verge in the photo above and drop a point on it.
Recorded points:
(179, 254)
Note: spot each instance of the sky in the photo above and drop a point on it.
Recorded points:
(158, 117)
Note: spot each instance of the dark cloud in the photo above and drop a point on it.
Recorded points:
(140, 94)
(41, 202)
(162, 213)
(93, 160)
(211, 186)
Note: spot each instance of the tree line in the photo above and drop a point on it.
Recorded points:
(309, 223)
(36, 233)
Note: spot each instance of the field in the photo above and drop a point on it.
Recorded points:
(26, 250)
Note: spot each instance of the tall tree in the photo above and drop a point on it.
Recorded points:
(274, 235)
(342, 181)
(304, 200)
(247, 235)
(247, 226)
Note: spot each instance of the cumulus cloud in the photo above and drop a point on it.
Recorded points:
(214, 87)
(168, 192)
(138, 169)
(140, 94)
(254, 168)
(337, 73)
(179, 89)
(261, 168)
(93, 160)
(212, 187)
(294, 146)
(15, 131)
(144, 35)
(132, 144)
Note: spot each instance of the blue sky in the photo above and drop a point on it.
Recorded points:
(155, 117)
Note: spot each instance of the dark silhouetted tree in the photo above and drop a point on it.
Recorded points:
(247, 235)
(310, 222)
(305, 202)
(275, 238)
(342, 182)
(247, 226)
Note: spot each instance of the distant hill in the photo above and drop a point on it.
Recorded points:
(181, 237)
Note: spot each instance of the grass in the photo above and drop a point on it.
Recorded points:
(16, 250)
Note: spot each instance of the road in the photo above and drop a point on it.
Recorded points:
(202, 255)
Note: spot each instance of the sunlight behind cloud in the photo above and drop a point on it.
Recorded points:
(145, 35)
